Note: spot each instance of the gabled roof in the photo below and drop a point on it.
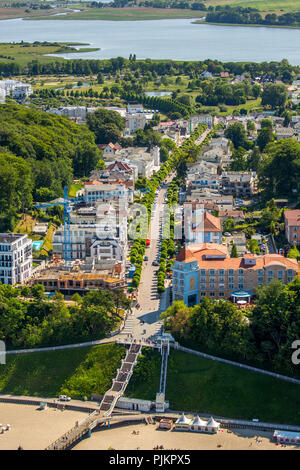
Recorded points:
(185, 255)
(120, 166)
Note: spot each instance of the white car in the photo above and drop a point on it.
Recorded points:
(64, 398)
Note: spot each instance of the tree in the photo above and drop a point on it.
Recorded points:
(279, 172)
(239, 162)
(38, 291)
(293, 253)
(237, 134)
(106, 125)
(76, 298)
(250, 126)
(265, 136)
(274, 95)
(270, 215)
(253, 159)
(234, 252)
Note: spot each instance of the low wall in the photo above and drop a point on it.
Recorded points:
(50, 403)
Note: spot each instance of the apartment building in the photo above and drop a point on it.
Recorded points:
(201, 226)
(96, 191)
(135, 122)
(292, 226)
(15, 258)
(206, 270)
(239, 183)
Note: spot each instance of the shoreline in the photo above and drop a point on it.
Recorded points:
(246, 25)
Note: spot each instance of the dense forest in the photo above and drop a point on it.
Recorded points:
(222, 329)
(39, 154)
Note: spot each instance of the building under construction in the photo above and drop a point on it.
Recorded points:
(80, 279)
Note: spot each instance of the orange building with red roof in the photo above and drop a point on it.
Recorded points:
(207, 270)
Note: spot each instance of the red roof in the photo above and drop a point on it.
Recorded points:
(292, 217)
(120, 166)
(210, 223)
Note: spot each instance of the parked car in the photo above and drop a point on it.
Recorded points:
(146, 258)
(64, 398)
(227, 234)
(155, 263)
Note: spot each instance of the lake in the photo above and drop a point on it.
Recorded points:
(161, 39)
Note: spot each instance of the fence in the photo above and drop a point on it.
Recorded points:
(237, 364)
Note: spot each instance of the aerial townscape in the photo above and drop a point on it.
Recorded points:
(149, 226)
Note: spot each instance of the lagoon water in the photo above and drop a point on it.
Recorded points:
(161, 39)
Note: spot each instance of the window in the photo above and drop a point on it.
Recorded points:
(212, 272)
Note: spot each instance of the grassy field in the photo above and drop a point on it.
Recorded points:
(24, 53)
(75, 372)
(196, 384)
(74, 188)
(263, 5)
(127, 14)
(10, 13)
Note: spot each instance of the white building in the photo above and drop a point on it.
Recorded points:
(105, 192)
(15, 258)
(22, 91)
(135, 122)
(16, 88)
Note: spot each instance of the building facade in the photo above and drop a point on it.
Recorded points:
(206, 270)
(292, 226)
(15, 258)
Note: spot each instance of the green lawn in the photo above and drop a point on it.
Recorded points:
(74, 188)
(76, 372)
(201, 385)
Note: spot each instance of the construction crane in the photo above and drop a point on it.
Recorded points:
(67, 210)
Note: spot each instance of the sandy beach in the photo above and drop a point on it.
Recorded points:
(34, 429)
(122, 438)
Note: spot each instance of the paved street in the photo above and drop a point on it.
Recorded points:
(151, 303)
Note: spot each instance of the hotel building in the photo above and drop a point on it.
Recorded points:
(207, 270)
